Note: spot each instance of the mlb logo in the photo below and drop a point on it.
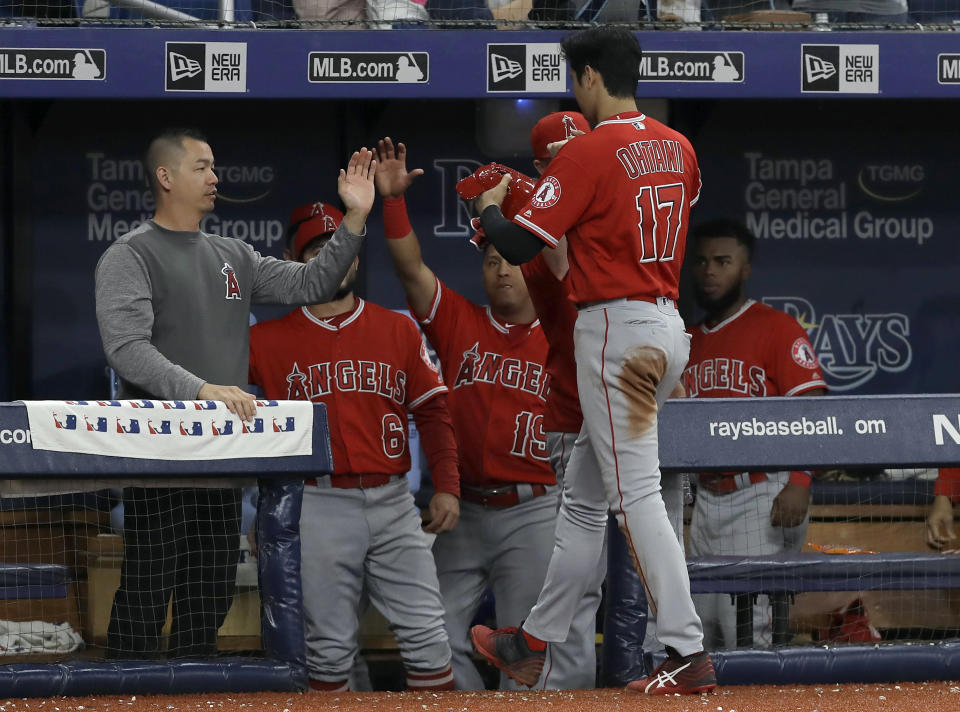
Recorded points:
(821, 64)
(185, 62)
(506, 65)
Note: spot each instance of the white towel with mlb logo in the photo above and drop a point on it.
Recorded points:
(171, 430)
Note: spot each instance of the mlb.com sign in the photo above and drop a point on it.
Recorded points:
(537, 67)
(206, 66)
(948, 68)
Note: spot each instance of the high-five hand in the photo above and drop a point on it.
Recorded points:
(355, 186)
(392, 176)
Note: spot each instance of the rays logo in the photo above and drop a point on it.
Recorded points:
(852, 348)
(454, 213)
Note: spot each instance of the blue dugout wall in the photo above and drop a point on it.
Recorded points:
(848, 185)
(846, 179)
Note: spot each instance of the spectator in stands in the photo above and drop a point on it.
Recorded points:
(678, 10)
(173, 306)
(742, 9)
(374, 11)
(946, 491)
(934, 11)
(459, 10)
(743, 349)
(865, 11)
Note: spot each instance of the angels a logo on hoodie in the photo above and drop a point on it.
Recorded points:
(233, 287)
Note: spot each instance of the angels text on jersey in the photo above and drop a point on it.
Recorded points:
(725, 374)
(493, 368)
(347, 375)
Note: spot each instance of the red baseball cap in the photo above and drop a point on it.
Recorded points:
(324, 221)
(555, 127)
(305, 212)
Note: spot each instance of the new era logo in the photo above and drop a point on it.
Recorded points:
(181, 67)
(817, 68)
(526, 67)
(504, 67)
(843, 69)
(206, 66)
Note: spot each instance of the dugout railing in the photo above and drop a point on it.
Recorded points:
(917, 430)
(786, 434)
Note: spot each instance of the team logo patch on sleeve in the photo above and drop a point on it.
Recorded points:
(547, 194)
(803, 354)
(425, 355)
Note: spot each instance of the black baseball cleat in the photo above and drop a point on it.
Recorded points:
(689, 675)
(507, 650)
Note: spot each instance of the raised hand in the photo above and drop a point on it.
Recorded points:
(393, 179)
(355, 186)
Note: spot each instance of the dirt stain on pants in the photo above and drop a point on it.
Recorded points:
(643, 369)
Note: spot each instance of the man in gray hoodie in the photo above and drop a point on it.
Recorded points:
(173, 306)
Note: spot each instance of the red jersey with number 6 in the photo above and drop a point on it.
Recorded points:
(622, 195)
(369, 367)
(498, 385)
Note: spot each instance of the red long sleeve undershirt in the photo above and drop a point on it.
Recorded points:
(439, 444)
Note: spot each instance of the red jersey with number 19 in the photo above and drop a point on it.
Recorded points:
(369, 367)
(622, 195)
(498, 385)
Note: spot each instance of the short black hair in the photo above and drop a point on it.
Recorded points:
(162, 147)
(726, 228)
(613, 52)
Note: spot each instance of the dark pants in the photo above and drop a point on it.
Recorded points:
(181, 542)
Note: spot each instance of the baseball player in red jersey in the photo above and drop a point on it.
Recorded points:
(946, 491)
(622, 194)
(550, 293)
(359, 526)
(493, 362)
(743, 513)
(562, 420)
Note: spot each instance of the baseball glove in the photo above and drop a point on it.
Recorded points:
(487, 177)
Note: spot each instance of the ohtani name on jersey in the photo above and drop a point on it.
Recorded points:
(725, 374)
(653, 156)
(489, 367)
(321, 379)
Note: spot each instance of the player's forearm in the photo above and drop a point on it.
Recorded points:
(141, 364)
(439, 444)
(317, 281)
(512, 241)
(418, 280)
(556, 259)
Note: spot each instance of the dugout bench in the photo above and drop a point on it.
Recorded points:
(783, 575)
